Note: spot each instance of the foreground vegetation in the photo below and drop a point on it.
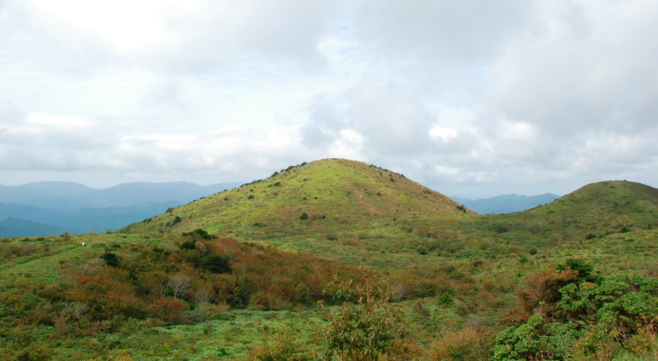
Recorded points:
(226, 279)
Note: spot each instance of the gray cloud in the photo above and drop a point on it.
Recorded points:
(224, 33)
(39, 41)
(389, 123)
(439, 32)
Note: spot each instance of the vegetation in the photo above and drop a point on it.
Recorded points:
(376, 270)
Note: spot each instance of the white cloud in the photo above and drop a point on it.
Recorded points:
(127, 24)
(57, 120)
(443, 133)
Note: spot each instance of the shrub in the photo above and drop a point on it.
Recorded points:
(214, 263)
(286, 346)
(110, 259)
(188, 245)
(304, 216)
(446, 300)
(466, 344)
(588, 321)
(362, 331)
(167, 309)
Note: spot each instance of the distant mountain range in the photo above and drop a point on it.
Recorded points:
(507, 203)
(49, 208)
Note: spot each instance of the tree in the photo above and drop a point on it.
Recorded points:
(179, 284)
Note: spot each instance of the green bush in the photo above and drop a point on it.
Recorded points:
(589, 319)
(110, 259)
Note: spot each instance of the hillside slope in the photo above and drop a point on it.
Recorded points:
(322, 199)
(595, 210)
(603, 208)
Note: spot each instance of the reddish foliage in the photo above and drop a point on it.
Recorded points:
(539, 294)
(166, 309)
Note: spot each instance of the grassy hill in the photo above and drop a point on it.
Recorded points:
(594, 210)
(322, 204)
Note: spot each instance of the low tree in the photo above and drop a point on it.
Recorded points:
(179, 284)
(364, 331)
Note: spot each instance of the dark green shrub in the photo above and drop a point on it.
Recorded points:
(110, 259)
(445, 300)
(304, 216)
(200, 233)
(188, 245)
(583, 268)
(214, 263)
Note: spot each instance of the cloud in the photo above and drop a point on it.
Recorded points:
(57, 121)
(219, 34)
(439, 32)
(474, 94)
(388, 122)
(581, 68)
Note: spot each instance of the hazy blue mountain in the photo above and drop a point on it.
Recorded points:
(97, 220)
(47, 208)
(25, 193)
(64, 196)
(132, 193)
(16, 227)
(507, 203)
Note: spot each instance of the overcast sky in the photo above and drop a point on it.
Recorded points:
(471, 98)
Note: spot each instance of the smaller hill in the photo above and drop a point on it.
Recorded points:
(604, 207)
(595, 210)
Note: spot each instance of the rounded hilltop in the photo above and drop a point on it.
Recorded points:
(320, 198)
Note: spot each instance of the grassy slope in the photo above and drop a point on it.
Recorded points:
(355, 208)
(361, 214)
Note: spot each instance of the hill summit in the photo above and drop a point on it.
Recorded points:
(317, 198)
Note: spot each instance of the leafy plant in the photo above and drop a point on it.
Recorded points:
(363, 331)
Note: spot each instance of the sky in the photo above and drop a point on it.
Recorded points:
(471, 98)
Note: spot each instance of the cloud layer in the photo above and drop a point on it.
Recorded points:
(471, 99)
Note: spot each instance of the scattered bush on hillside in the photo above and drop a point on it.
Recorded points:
(188, 245)
(110, 259)
(199, 234)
